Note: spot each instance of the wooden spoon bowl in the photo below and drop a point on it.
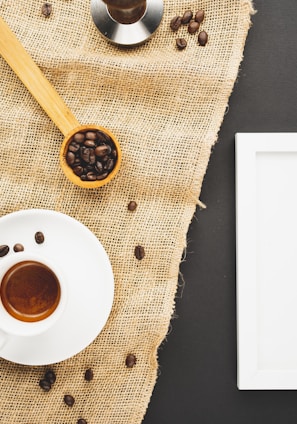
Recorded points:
(68, 170)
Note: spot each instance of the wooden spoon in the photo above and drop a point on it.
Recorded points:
(48, 98)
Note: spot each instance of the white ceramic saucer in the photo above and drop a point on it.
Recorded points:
(87, 268)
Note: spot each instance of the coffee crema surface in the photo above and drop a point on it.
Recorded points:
(30, 291)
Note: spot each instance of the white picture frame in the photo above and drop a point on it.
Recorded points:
(266, 260)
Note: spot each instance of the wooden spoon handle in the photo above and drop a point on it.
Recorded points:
(29, 73)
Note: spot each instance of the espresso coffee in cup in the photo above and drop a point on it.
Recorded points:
(30, 291)
(33, 295)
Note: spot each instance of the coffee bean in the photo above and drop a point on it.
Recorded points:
(103, 137)
(91, 176)
(73, 147)
(181, 43)
(70, 158)
(102, 176)
(199, 16)
(46, 9)
(89, 375)
(39, 237)
(109, 164)
(18, 247)
(132, 206)
(4, 249)
(130, 360)
(85, 154)
(45, 385)
(175, 23)
(187, 16)
(91, 135)
(89, 143)
(79, 137)
(139, 252)
(102, 150)
(202, 38)
(99, 167)
(193, 27)
(78, 170)
(50, 376)
(69, 400)
(81, 421)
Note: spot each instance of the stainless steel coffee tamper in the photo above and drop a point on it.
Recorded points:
(127, 22)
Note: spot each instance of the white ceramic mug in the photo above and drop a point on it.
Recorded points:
(12, 326)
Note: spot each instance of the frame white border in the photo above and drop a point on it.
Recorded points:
(249, 376)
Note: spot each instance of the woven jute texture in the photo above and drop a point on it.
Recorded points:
(165, 107)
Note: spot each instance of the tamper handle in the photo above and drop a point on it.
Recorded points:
(126, 11)
(29, 73)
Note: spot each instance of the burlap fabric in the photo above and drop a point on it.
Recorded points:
(166, 107)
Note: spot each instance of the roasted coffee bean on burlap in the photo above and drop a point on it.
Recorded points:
(181, 43)
(175, 23)
(81, 421)
(89, 374)
(199, 16)
(202, 38)
(4, 249)
(91, 155)
(132, 206)
(187, 16)
(193, 27)
(45, 385)
(50, 376)
(46, 9)
(69, 400)
(130, 360)
(139, 252)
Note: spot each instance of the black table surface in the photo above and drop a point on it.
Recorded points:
(197, 375)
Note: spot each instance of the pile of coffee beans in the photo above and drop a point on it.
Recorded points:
(92, 155)
(48, 380)
(193, 22)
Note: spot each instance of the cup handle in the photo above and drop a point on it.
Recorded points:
(3, 339)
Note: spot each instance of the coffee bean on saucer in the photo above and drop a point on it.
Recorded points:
(181, 43)
(89, 375)
(46, 9)
(130, 360)
(50, 376)
(4, 249)
(139, 252)
(18, 247)
(81, 421)
(45, 385)
(132, 206)
(39, 237)
(69, 400)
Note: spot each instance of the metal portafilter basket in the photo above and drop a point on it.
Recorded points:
(127, 22)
